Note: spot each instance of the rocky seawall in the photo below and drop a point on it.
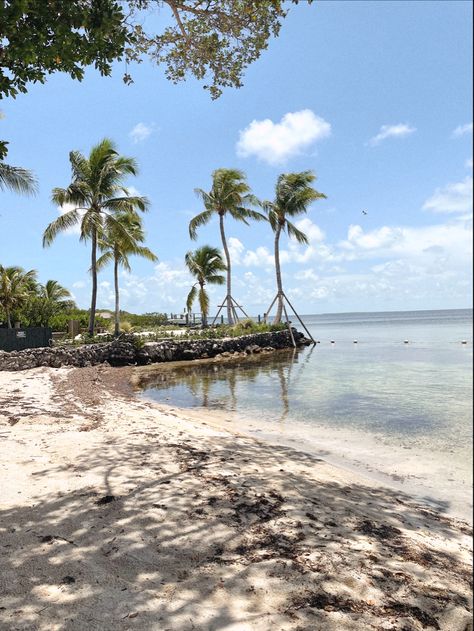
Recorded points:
(126, 351)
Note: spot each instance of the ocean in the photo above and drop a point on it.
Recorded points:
(387, 395)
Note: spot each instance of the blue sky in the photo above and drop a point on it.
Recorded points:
(375, 97)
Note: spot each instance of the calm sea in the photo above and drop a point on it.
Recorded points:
(397, 411)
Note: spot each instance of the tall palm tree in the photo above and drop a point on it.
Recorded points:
(97, 194)
(116, 249)
(16, 286)
(293, 195)
(205, 263)
(230, 194)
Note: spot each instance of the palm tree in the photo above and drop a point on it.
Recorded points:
(16, 286)
(205, 263)
(54, 292)
(293, 195)
(117, 250)
(45, 301)
(97, 194)
(230, 194)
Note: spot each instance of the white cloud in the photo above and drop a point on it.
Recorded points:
(468, 163)
(392, 131)
(462, 130)
(312, 231)
(453, 198)
(79, 284)
(141, 132)
(274, 143)
(236, 249)
(450, 243)
(261, 257)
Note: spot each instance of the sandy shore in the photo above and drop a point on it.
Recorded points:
(117, 514)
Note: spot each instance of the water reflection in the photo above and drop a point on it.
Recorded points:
(224, 385)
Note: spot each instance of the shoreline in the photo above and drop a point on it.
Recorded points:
(118, 514)
(350, 463)
(370, 457)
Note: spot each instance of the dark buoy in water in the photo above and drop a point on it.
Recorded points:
(355, 342)
(405, 341)
(464, 342)
(333, 342)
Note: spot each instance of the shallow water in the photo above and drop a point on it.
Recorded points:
(399, 411)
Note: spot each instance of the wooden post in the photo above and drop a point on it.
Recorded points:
(289, 326)
(301, 321)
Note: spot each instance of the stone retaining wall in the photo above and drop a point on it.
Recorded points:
(125, 351)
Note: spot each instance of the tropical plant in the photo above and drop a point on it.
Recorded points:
(293, 195)
(116, 249)
(230, 194)
(45, 302)
(97, 194)
(55, 292)
(16, 179)
(204, 264)
(16, 286)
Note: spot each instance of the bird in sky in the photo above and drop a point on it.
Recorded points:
(364, 212)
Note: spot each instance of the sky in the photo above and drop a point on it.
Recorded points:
(374, 97)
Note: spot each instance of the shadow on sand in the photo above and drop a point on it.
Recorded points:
(211, 536)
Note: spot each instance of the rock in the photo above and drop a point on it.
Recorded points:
(124, 351)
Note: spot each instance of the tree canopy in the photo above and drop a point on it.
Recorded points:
(212, 40)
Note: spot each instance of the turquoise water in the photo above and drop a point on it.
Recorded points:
(402, 409)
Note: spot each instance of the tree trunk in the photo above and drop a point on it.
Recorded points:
(9, 318)
(203, 308)
(117, 298)
(94, 281)
(279, 311)
(230, 317)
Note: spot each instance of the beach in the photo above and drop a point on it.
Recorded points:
(120, 513)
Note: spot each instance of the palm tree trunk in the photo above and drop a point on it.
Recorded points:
(117, 297)
(278, 276)
(9, 318)
(230, 317)
(203, 308)
(94, 281)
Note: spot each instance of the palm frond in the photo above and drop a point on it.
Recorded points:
(61, 224)
(191, 298)
(215, 279)
(248, 213)
(200, 220)
(297, 234)
(17, 179)
(145, 253)
(126, 204)
(104, 260)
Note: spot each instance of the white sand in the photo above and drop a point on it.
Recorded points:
(205, 530)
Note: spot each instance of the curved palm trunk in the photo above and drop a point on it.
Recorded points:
(230, 317)
(117, 296)
(9, 318)
(278, 276)
(94, 281)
